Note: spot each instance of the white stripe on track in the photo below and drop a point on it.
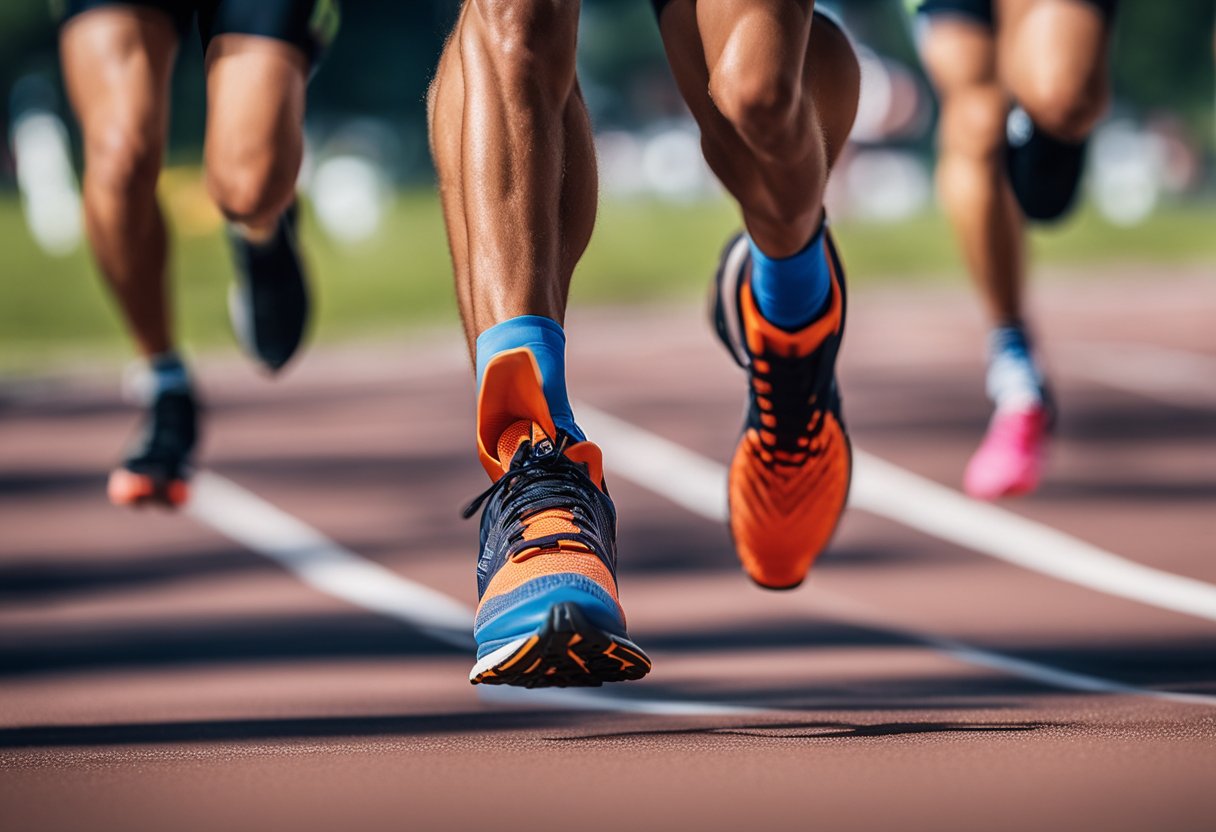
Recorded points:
(333, 570)
(1176, 377)
(848, 610)
(881, 488)
(321, 563)
(336, 571)
(699, 484)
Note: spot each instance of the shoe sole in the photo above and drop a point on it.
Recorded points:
(127, 489)
(567, 651)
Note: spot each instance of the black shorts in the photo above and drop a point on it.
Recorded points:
(981, 10)
(309, 25)
(659, 5)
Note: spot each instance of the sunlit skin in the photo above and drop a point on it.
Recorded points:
(1049, 55)
(117, 63)
(774, 96)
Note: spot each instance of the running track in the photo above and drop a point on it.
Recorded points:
(291, 655)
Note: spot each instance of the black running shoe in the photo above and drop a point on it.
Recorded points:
(158, 468)
(1044, 171)
(268, 303)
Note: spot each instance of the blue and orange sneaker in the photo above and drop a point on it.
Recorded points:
(157, 468)
(546, 577)
(790, 475)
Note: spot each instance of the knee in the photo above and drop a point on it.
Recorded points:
(1065, 111)
(973, 123)
(761, 104)
(251, 191)
(531, 43)
(123, 161)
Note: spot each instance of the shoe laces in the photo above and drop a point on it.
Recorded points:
(789, 397)
(542, 484)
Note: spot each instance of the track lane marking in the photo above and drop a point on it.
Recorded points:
(326, 566)
(699, 484)
(1175, 377)
(333, 570)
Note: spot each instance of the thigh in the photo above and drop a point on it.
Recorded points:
(255, 100)
(1056, 48)
(117, 62)
(765, 40)
(761, 42)
(960, 54)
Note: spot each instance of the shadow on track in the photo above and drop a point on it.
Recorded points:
(223, 642)
(238, 730)
(825, 730)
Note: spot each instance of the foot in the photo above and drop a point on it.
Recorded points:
(548, 613)
(268, 303)
(157, 470)
(1044, 172)
(1009, 462)
(790, 475)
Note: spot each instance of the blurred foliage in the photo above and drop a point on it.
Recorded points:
(386, 53)
(57, 310)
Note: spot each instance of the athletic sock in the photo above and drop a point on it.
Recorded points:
(547, 341)
(792, 291)
(1014, 381)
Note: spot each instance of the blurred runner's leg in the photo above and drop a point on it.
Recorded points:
(117, 62)
(512, 144)
(774, 88)
(1053, 58)
(1049, 57)
(258, 59)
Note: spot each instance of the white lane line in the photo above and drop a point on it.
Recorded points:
(333, 570)
(1176, 377)
(889, 491)
(688, 479)
(321, 563)
(881, 488)
(862, 615)
(336, 571)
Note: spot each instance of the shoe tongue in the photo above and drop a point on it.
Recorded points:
(514, 436)
(764, 336)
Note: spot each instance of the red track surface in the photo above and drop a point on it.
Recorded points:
(158, 676)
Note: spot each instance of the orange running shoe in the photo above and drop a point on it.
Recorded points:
(548, 613)
(157, 469)
(790, 475)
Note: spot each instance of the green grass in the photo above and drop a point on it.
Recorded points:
(55, 310)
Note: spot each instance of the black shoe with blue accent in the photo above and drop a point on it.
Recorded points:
(158, 467)
(1044, 172)
(268, 304)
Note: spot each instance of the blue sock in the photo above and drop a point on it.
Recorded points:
(1013, 380)
(792, 291)
(167, 373)
(547, 341)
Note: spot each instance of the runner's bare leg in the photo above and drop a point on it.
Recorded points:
(516, 161)
(117, 63)
(775, 98)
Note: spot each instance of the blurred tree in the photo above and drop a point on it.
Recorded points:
(386, 52)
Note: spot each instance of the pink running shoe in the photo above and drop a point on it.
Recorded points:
(1010, 459)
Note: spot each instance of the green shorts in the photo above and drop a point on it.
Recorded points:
(310, 25)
